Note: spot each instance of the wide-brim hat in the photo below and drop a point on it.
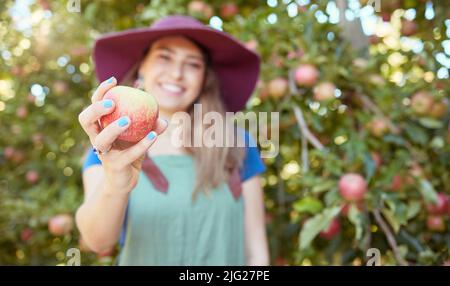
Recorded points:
(236, 67)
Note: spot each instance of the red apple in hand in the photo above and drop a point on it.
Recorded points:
(435, 223)
(306, 75)
(332, 229)
(61, 224)
(138, 105)
(440, 207)
(352, 187)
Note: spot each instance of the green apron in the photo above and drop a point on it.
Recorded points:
(172, 229)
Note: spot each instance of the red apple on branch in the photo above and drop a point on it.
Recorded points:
(439, 108)
(441, 206)
(332, 230)
(26, 234)
(324, 91)
(436, 223)
(352, 187)
(32, 176)
(306, 75)
(277, 87)
(8, 152)
(408, 28)
(228, 10)
(421, 102)
(60, 225)
(378, 127)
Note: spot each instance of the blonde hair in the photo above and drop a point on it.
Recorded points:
(225, 158)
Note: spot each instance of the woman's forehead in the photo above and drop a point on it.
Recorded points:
(177, 44)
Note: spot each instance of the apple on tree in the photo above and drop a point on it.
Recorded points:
(61, 224)
(332, 230)
(352, 187)
(306, 75)
(441, 207)
(436, 223)
(277, 87)
(324, 91)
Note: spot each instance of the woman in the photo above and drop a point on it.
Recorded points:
(173, 205)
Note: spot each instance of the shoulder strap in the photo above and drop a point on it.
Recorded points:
(155, 175)
(161, 184)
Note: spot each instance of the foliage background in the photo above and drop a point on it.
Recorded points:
(46, 78)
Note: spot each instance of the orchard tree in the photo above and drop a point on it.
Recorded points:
(364, 123)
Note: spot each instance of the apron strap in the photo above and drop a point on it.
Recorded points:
(155, 175)
(161, 184)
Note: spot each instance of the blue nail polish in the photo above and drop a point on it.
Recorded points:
(151, 135)
(123, 121)
(107, 103)
(110, 80)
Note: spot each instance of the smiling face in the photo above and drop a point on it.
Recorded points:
(173, 72)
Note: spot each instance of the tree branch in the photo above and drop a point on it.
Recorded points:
(305, 130)
(390, 237)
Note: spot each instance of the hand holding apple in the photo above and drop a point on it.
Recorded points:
(125, 115)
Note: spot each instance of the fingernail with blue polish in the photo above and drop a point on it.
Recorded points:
(107, 103)
(151, 135)
(110, 80)
(123, 121)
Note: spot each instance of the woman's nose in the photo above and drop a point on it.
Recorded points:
(176, 71)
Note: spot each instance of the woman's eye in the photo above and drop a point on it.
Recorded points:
(164, 57)
(194, 65)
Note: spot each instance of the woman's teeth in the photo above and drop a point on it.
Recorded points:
(171, 87)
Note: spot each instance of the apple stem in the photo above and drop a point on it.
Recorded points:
(390, 237)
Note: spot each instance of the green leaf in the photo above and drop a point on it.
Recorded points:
(323, 186)
(431, 123)
(427, 191)
(370, 166)
(413, 209)
(395, 139)
(416, 133)
(356, 218)
(390, 217)
(308, 205)
(315, 225)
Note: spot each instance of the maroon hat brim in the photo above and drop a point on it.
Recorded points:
(236, 67)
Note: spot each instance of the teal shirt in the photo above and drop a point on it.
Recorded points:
(172, 229)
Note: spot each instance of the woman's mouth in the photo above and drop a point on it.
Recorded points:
(172, 89)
